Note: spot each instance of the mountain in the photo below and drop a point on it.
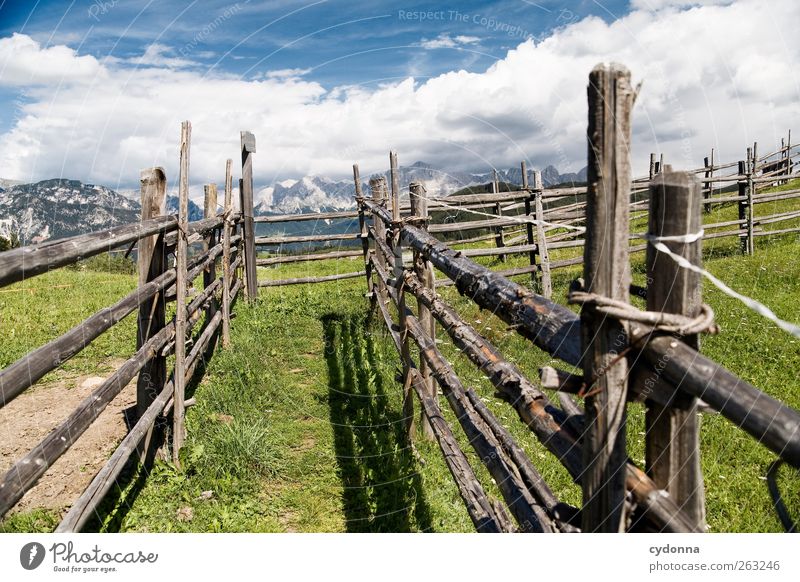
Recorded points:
(317, 194)
(59, 208)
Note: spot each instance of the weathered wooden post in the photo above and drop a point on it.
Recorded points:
(499, 240)
(424, 271)
(210, 272)
(652, 165)
(541, 237)
(751, 208)
(248, 141)
(744, 197)
(606, 273)
(709, 185)
(408, 401)
(529, 204)
(378, 189)
(152, 262)
(362, 223)
(181, 259)
(672, 441)
(226, 256)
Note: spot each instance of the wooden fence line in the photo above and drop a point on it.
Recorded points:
(156, 235)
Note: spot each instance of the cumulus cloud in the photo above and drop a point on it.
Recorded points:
(23, 62)
(713, 76)
(447, 41)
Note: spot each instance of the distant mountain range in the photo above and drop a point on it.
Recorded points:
(59, 208)
(315, 193)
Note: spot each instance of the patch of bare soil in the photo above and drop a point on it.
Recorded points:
(26, 420)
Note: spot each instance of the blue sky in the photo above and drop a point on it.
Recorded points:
(96, 90)
(341, 42)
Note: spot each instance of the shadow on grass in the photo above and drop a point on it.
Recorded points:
(382, 487)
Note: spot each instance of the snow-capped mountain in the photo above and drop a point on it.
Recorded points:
(58, 208)
(315, 193)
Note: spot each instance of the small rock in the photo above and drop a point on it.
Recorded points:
(92, 382)
(185, 514)
(206, 495)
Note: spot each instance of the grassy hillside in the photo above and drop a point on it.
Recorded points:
(298, 426)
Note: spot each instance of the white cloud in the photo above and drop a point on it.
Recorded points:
(447, 41)
(23, 62)
(714, 76)
(287, 73)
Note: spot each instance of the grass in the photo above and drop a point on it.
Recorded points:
(298, 426)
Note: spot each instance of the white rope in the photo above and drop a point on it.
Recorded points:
(760, 308)
(515, 219)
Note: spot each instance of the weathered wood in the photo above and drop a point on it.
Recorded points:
(226, 256)
(532, 253)
(537, 412)
(495, 223)
(307, 216)
(378, 190)
(285, 240)
(26, 262)
(745, 198)
(25, 472)
(551, 326)
(541, 237)
(481, 511)
(248, 143)
(499, 241)
(362, 228)
(532, 478)
(181, 283)
(424, 270)
(319, 279)
(606, 273)
(152, 263)
(529, 514)
(672, 442)
(751, 209)
(210, 272)
(308, 257)
(397, 249)
(772, 423)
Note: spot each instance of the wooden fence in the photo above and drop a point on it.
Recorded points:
(534, 220)
(625, 353)
(200, 317)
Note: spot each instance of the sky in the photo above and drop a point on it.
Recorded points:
(96, 90)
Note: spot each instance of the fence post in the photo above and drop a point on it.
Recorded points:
(362, 223)
(652, 165)
(210, 272)
(499, 240)
(742, 205)
(606, 273)
(378, 188)
(709, 185)
(152, 262)
(541, 237)
(226, 256)
(529, 226)
(751, 208)
(424, 271)
(248, 141)
(181, 257)
(408, 401)
(672, 442)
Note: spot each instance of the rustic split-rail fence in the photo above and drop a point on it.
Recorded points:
(625, 354)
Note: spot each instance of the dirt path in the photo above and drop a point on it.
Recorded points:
(32, 415)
